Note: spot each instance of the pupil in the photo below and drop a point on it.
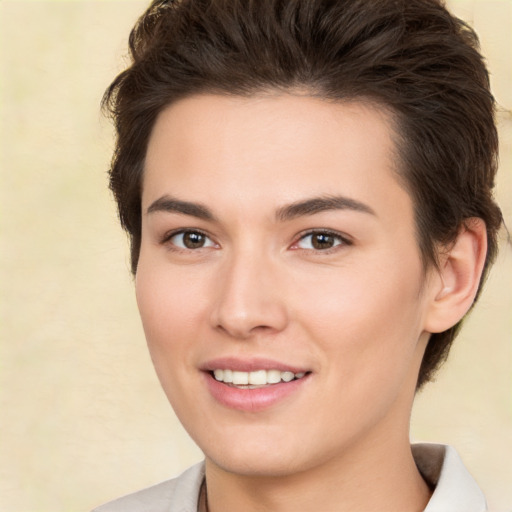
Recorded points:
(322, 241)
(193, 240)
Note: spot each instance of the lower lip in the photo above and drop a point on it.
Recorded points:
(252, 400)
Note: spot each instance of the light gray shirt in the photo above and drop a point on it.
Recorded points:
(440, 465)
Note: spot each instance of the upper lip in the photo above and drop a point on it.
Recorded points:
(250, 365)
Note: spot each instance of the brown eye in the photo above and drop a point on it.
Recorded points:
(191, 240)
(320, 241)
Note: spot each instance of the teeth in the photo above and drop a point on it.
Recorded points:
(256, 378)
(273, 376)
(240, 378)
(287, 376)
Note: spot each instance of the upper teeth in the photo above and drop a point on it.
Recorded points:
(257, 378)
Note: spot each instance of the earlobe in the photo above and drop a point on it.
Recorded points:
(458, 277)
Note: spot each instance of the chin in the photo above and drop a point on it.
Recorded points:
(258, 465)
(261, 456)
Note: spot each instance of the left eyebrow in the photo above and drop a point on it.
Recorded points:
(321, 204)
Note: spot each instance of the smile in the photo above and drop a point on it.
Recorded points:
(254, 385)
(255, 379)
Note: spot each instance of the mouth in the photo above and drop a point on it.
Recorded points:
(256, 379)
(255, 385)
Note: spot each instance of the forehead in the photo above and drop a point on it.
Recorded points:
(271, 149)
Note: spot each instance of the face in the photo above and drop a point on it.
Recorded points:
(280, 283)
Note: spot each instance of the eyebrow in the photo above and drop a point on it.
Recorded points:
(321, 204)
(171, 205)
(298, 209)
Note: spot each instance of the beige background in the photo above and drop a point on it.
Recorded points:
(83, 418)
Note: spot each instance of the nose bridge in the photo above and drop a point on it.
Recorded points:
(248, 298)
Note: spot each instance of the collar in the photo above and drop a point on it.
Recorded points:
(455, 490)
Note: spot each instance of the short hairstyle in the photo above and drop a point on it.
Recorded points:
(411, 57)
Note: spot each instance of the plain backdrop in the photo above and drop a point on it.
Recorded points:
(83, 419)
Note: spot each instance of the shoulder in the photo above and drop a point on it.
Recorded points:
(177, 495)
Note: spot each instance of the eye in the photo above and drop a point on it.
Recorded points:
(190, 240)
(321, 241)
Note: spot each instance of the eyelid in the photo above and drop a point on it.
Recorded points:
(168, 235)
(343, 238)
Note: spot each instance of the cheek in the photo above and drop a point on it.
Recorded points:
(170, 305)
(169, 301)
(367, 320)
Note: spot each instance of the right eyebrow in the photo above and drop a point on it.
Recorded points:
(172, 205)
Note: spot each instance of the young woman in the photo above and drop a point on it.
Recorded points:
(308, 190)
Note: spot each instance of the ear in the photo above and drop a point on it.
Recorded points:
(454, 285)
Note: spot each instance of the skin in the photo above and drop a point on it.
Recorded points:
(356, 315)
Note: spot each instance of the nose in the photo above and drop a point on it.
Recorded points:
(249, 300)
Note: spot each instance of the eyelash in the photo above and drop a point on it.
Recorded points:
(166, 239)
(341, 239)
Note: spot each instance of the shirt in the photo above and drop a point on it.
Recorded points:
(455, 490)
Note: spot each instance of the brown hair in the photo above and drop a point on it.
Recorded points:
(410, 56)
